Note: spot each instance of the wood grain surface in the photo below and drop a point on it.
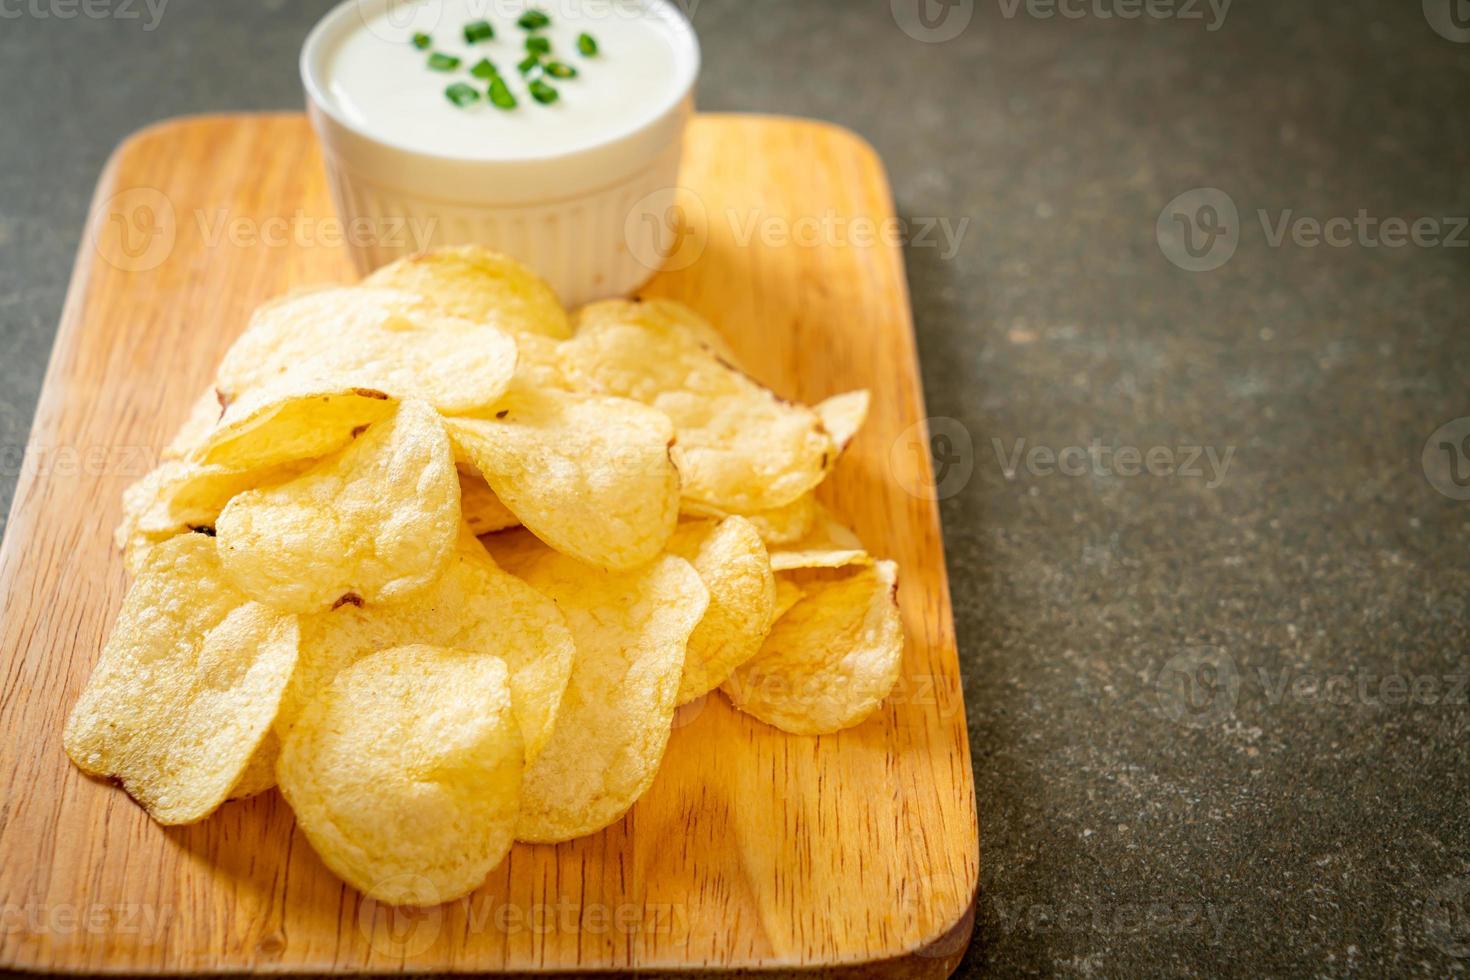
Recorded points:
(754, 850)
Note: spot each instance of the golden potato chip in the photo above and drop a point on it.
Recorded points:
(483, 511)
(843, 415)
(203, 417)
(260, 771)
(382, 339)
(187, 685)
(829, 544)
(474, 606)
(590, 476)
(405, 773)
(179, 497)
(477, 284)
(740, 448)
(831, 660)
(374, 522)
(777, 526)
(731, 561)
(788, 594)
(631, 630)
(666, 315)
(272, 426)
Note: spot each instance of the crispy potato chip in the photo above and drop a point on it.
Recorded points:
(483, 511)
(731, 561)
(590, 476)
(666, 315)
(203, 417)
(372, 523)
(260, 772)
(477, 284)
(294, 422)
(831, 660)
(405, 773)
(631, 630)
(474, 606)
(788, 594)
(180, 497)
(777, 526)
(740, 448)
(382, 339)
(843, 415)
(829, 544)
(187, 685)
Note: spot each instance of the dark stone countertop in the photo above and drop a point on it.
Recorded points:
(1252, 829)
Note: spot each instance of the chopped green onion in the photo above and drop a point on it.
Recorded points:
(542, 92)
(478, 30)
(529, 64)
(587, 44)
(500, 95)
(443, 62)
(485, 68)
(422, 41)
(560, 69)
(533, 20)
(537, 44)
(461, 94)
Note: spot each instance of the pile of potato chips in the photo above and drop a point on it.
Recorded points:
(447, 560)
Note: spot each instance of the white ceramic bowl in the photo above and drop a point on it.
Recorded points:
(587, 220)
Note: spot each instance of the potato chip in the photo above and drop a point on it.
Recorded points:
(777, 526)
(843, 415)
(590, 476)
(829, 544)
(474, 606)
(273, 426)
(631, 630)
(788, 594)
(260, 771)
(666, 315)
(180, 497)
(477, 284)
(405, 773)
(374, 522)
(382, 339)
(482, 510)
(203, 417)
(731, 561)
(187, 685)
(740, 448)
(831, 660)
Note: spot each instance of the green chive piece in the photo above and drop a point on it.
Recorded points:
(533, 20)
(529, 64)
(478, 30)
(443, 62)
(560, 69)
(542, 92)
(536, 44)
(422, 41)
(461, 94)
(500, 95)
(587, 44)
(485, 68)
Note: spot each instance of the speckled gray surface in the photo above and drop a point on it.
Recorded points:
(1128, 828)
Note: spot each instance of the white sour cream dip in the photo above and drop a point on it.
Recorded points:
(381, 84)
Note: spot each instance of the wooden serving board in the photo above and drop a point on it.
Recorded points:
(754, 850)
